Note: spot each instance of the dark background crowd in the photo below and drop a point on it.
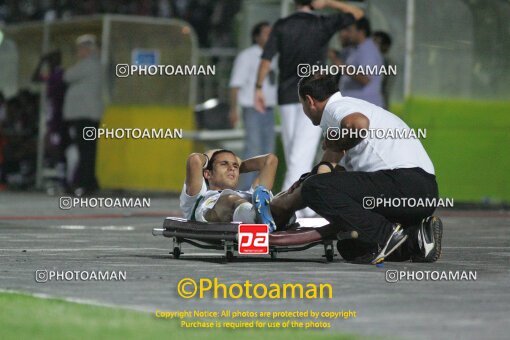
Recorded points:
(18, 139)
(211, 19)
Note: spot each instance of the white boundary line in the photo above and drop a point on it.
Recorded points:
(72, 300)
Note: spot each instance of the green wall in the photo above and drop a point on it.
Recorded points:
(469, 144)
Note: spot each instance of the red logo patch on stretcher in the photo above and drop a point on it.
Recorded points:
(253, 239)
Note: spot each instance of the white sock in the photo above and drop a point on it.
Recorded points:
(244, 213)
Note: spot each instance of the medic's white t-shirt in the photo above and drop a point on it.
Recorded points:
(374, 154)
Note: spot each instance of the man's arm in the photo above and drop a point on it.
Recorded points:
(266, 165)
(367, 59)
(353, 122)
(270, 50)
(238, 79)
(195, 170)
(356, 12)
(333, 56)
(233, 115)
(37, 75)
(194, 173)
(264, 68)
(328, 162)
(361, 78)
(334, 150)
(332, 157)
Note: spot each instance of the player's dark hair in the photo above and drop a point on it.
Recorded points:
(214, 155)
(211, 161)
(385, 37)
(257, 29)
(363, 24)
(303, 2)
(318, 86)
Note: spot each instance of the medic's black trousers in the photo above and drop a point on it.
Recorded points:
(372, 202)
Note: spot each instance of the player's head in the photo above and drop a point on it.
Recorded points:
(355, 33)
(314, 91)
(222, 171)
(362, 30)
(346, 35)
(86, 46)
(382, 40)
(303, 3)
(260, 33)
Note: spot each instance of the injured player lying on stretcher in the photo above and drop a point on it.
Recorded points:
(210, 191)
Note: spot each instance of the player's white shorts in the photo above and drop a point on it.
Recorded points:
(211, 198)
(195, 207)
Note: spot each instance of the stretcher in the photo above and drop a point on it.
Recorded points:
(305, 234)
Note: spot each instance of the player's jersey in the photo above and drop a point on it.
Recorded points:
(194, 207)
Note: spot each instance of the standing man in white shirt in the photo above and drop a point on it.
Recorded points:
(258, 126)
(83, 108)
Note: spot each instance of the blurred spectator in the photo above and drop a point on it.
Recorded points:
(258, 126)
(51, 72)
(365, 53)
(18, 140)
(383, 41)
(339, 57)
(29, 103)
(3, 112)
(180, 8)
(222, 17)
(199, 17)
(83, 107)
(3, 117)
(164, 9)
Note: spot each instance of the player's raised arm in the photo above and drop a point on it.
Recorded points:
(266, 165)
(195, 165)
(356, 12)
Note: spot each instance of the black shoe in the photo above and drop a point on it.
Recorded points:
(430, 235)
(395, 240)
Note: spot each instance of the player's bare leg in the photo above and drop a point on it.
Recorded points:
(225, 209)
